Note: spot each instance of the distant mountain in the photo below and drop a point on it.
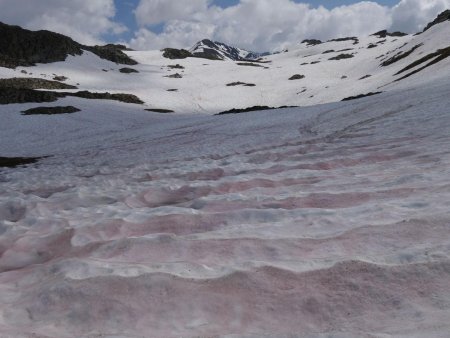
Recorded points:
(314, 72)
(219, 51)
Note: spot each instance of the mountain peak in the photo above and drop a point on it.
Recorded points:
(216, 50)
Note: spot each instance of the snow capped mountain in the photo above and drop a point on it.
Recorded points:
(208, 79)
(325, 220)
(216, 50)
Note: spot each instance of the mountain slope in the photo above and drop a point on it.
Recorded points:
(307, 74)
(21, 47)
(217, 50)
(331, 219)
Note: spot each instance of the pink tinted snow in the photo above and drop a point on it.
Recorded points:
(340, 237)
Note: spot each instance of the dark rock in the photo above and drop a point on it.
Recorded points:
(161, 111)
(172, 90)
(60, 78)
(127, 70)
(352, 38)
(344, 77)
(175, 76)
(15, 95)
(21, 47)
(360, 96)
(342, 57)
(127, 98)
(12, 162)
(312, 42)
(371, 46)
(20, 95)
(399, 56)
(444, 16)
(33, 83)
(433, 58)
(50, 110)
(250, 64)
(177, 66)
(382, 34)
(113, 53)
(315, 62)
(174, 54)
(365, 77)
(250, 109)
(297, 77)
(232, 84)
(329, 51)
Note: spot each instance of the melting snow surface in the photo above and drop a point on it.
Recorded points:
(327, 221)
(322, 221)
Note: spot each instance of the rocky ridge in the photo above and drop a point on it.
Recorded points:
(22, 47)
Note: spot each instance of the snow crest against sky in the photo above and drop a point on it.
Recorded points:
(259, 25)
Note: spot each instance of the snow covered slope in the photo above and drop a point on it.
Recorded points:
(327, 221)
(332, 71)
(321, 221)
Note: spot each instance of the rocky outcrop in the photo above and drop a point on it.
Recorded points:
(176, 54)
(127, 98)
(312, 42)
(250, 109)
(127, 70)
(350, 98)
(399, 56)
(248, 64)
(444, 16)
(33, 83)
(12, 162)
(351, 38)
(160, 111)
(175, 76)
(22, 47)
(297, 77)
(50, 110)
(15, 95)
(177, 66)
(21, 95)
(384, 33)
(239, 83)
(113, 53)
(425, 62)
(342, 57)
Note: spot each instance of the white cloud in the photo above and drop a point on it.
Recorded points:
(413, 15)
(265, 25)
(150, 12)
(83, 20)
